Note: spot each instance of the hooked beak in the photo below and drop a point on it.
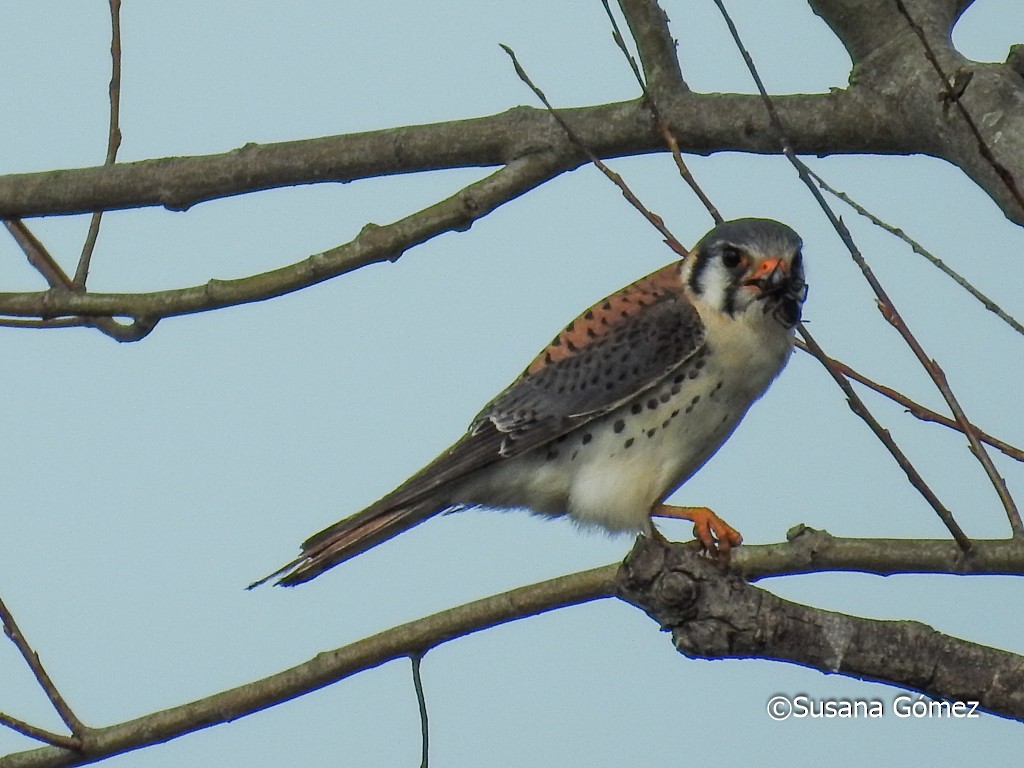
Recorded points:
(784, 293)
(770, 275)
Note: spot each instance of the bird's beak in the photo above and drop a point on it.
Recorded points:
(770, 274)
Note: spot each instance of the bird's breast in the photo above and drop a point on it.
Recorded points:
(611, 471)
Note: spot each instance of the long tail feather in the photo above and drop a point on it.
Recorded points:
(349, 538)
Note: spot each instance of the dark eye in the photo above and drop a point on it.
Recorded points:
(731, 257)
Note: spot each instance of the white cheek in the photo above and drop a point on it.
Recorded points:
(715, 284)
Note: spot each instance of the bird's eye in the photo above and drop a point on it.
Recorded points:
(731, 257)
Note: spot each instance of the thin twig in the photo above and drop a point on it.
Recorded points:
(40, 734)
(39, 257)
(920, 250)
(914, 408)
(55, 322)
(32, 659)
(659, 120)
(653, 218)
(421, 700)
(858, 407)
(952, 91)
(113, 140)
(885, 304)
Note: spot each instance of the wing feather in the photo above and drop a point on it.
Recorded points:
(643, 337)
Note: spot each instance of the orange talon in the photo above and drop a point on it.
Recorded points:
(715, 535)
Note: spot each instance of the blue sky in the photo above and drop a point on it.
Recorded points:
(145, 485)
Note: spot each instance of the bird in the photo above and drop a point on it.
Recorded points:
(625, 404)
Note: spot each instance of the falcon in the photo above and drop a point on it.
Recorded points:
(625, 404)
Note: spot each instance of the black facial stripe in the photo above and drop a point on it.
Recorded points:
(729, 300)
(701, 259)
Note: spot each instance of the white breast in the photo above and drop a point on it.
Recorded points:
(612, 471)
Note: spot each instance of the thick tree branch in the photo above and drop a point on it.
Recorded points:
(715, 615)
(648, 24)
(806, 551)
(848, 121)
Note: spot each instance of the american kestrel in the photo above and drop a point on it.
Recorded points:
(626, 403)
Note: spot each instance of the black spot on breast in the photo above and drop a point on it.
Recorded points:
(665, 423)
(680, 378)
(587, 438)
(677, 388)
(619, 425)
(636, 408)
(664, 397)
(693, 373)
(629, 442)
(696, 399)
(652, 404)
(674, 413)
(588, 315)
(651, 432)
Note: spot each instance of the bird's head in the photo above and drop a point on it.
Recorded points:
(749, 266)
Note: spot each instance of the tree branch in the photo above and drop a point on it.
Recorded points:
(806, 551)
(716, 615)
(412, 639)
(702, 123)
(373, 244)
(648, 24)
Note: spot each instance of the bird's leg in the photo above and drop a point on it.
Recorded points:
(715, 535)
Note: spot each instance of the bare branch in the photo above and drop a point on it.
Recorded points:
(885, 304)
(858, 407)
(655, 220)
(373, 244)
(328, 667)
(659, 119)
(60, 284)
(40, 734)
(953, 91)
(32, 659)
(648, 24)
(714, 615)
(920, 250)
(421, 701)
(113, 139)
(807, 550)
(913, 408)
(703, 124)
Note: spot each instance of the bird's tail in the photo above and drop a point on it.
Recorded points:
(350, 537)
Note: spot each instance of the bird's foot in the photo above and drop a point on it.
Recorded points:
(716, 537)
